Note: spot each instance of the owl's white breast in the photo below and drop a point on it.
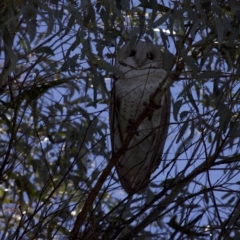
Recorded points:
(136, 88)
(133, 92)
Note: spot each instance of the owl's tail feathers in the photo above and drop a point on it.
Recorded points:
(135, 185)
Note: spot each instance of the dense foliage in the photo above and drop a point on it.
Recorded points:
(57, 174)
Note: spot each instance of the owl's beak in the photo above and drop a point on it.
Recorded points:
(140, 62)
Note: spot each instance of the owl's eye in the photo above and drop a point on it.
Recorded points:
(150, 56)
(132, 53)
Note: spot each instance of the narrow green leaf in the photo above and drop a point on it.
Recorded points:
(95, 174)
(191, 63)
(231, 200)
(23, 45)
(150, 196)
(220, 30)
(210, 74)
(168, 182)
(85, 3)
(70, 24)
(31, 29)
(109, 67)
(226, 195)
(196, 219)
(190, 97)
(176, 107)
(182, 130)
(46, 50)
(183, 115)
(161, 20)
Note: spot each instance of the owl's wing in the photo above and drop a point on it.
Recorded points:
(160, 135)
(118, 134)
(115, 128)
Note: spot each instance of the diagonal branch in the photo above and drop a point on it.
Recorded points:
(146, 112)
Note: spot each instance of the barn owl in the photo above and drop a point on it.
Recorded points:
(143, 74)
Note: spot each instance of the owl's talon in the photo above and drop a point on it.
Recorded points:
(144, 104)
(132, 128)
(154, 105)
(130, 121)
